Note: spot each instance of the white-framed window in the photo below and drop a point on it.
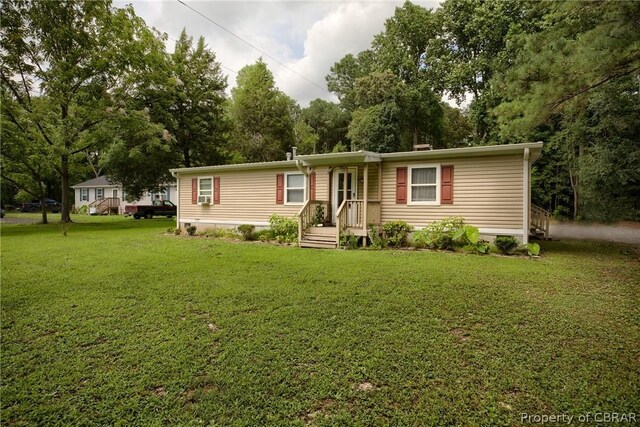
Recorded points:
(99, 193)
(84, 194)
(205, 187)
(294, 188)
(424, 184)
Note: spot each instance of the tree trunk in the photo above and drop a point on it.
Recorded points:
(43, 208)
(64, 174)
(574, 188)
(187, 157)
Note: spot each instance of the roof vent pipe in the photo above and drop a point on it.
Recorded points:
(295, 150)
(288, 156)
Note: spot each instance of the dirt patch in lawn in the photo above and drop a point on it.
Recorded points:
(461, 334)
(366, 386)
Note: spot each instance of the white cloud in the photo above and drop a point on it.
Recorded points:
(307, 36)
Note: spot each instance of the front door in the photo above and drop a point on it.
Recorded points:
(338, 188)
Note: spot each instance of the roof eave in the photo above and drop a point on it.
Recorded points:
(484, 150)
(337, 159)
(237, 166)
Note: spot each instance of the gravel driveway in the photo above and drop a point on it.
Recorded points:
(624, 232)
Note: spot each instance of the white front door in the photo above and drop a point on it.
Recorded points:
(338, 188)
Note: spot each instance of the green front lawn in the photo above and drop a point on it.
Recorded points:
(118, 323)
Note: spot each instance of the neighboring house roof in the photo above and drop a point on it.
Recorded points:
(103, 181)
(354, 157)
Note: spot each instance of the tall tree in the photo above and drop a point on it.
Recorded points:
(264, 126)
(471, 48)
(399, 49)
(376, 128)
(579, 46)
(329, 121)
(81, 56)
(577, 74)
(343, 75)
(139, 155)
(23, 161)
(187, 96)
(401, 45)
(457, 130)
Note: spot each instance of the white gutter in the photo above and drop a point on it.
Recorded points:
(175, 175)
(525, 197)
(301, 168)
(239, 166)
(482, 150)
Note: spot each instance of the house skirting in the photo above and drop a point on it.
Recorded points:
(204, 224)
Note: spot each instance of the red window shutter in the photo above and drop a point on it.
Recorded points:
(312, 186)
(194, 190)
(280, 189)
(446, 185)
(401, 186)
(216, 190)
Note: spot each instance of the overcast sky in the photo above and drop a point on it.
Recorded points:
(307, 36)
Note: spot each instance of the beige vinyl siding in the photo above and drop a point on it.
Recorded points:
(487, 192)
(322, 183)
(373, 182)
(246, 196)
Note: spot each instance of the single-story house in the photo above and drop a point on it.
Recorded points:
(489, 186)
(101, 195)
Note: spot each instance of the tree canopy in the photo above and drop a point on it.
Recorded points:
(261, 114)
(81, 57)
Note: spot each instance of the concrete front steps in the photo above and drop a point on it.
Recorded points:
(320, 238)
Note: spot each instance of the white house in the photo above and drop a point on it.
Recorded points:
(100, 191)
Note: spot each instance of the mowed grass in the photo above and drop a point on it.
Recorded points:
(119, 324)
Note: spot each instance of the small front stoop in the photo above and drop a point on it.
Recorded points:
(320, 238)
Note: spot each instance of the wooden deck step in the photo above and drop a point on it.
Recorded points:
(316, 244)
(319, 237)
(330, 231)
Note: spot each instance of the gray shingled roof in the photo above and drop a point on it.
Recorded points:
(101, 181)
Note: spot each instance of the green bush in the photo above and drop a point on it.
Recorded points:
(177, 231)
(376, 236)
(262, 235)
(449, 234)
(318, 215)
(283, 229)
(247, 231)
(506, 244)
(348, 241)
(396, 233)
(533, 249)
(439, 234)
(191, 230)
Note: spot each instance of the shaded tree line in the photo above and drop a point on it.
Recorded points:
(566, 73)
(89, 89)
